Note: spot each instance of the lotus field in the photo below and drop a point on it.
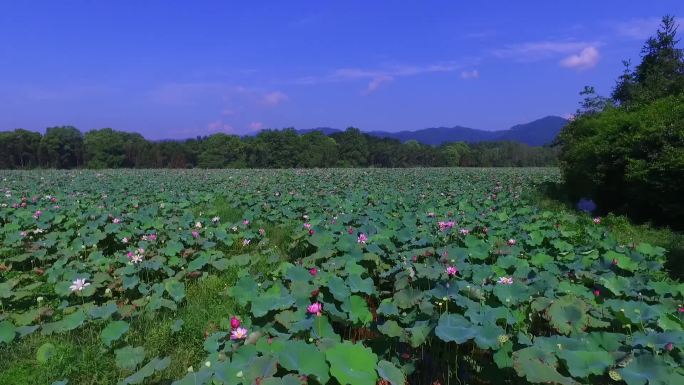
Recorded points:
(415, 276)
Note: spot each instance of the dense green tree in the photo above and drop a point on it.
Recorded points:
(20, 149)
(62, 147)
(660, 73)
(353, 147)
(220, 151)
(629, 155)
(318, 150)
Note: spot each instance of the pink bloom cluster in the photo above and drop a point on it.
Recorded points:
(505, 280)
(315, 308)
(464, 231)
(79, 284)
(443, 226)
(237, 332)
(451, 271)
(362, 238)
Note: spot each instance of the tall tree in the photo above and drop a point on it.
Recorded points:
(62, 147)
(660, 73)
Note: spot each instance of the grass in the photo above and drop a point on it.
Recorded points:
(624, 230)
(82, 358)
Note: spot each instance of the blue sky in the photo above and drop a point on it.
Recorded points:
(174, 69)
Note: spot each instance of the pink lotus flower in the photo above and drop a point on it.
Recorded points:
(116, 221)
(511, 242)
(669, 346)
(195, 234)
(245, 222)
(215, 219)
(246, 242)
(597, 220)
(362, 238)
(313, 271)
(597, 292)
(136, 258)
(79, 284)
(315, 308)
(124, 239)
(681, 309)
(152, 237)
(307, 225)
(505, 280)
(311, 232)
(350, 231)
(234, 322)
(37, 214)
(238, 334)
(464, 231)
(22, 234)
(451, 271)
(262, 232)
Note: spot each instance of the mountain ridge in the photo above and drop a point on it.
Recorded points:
(538, 132)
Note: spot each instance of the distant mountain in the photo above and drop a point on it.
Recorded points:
(536, 133)
(325, 130)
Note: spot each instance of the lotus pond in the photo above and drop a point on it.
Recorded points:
(418, 276)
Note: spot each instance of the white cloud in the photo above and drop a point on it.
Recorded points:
(219, 126)
(533, 51)
(256, 126)
(587, 58)
(376, 83)
(378, 77)
(473, 74)
(639, 29)
(274, 98)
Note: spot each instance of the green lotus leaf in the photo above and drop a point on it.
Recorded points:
(155, 365)
(352, 364)
(338, 288)
(391, 373)
(357, 307)
(261, 367)
(539, 366)
(568, 314)
(388, 308)
(649, 369)
(175, 289)
(7, 332)
(455, 328)
(113, 331)
(129, 357)
(305, 359)
(358, 285)
(581, 364)
(391, 329)
(45, 352)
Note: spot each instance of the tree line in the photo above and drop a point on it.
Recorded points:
(66, 147)
(626, 151)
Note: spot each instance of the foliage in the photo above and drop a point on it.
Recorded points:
(389, 308)
(627, 157)
(627, 160)
(64, 147)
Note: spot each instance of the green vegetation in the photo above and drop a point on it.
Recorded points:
(66, 147)
(627, 153)
(342, 276)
